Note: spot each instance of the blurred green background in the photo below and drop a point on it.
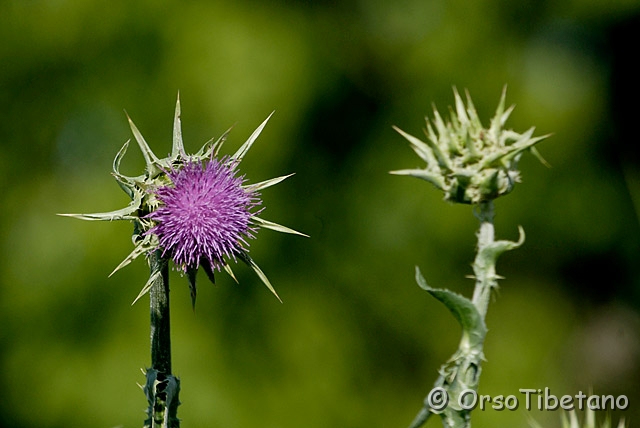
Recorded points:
(356, 343)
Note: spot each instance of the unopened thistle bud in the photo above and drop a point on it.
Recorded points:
(469, 163)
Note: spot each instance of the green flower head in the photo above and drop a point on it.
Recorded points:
(469, 163)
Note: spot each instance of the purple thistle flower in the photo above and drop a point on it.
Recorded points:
(204, 215)
(201, 217)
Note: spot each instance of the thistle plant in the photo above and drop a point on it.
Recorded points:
(572, 421)
(472, 165)
(198, 211)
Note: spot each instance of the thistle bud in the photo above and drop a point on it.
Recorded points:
(469, 163)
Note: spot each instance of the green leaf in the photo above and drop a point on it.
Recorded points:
(172, 391)
(489, 254)
(461, 308)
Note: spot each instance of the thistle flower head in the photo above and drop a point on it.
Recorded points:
(195, 209)
(205, 214)
(469, 163)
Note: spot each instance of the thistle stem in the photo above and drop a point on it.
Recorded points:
(160, 320)
(463, 369)
(161, 388)
(483, 269)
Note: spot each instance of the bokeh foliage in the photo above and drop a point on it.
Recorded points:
(356, 343)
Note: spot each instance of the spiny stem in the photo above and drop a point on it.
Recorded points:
(462, 371)
(161, 388)
(421, 417)
(160, 320)
(485, 273)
